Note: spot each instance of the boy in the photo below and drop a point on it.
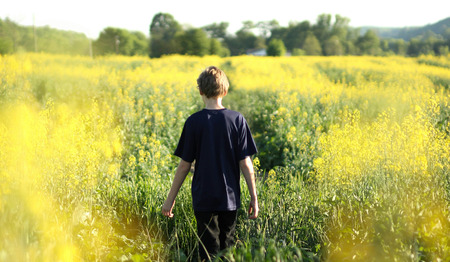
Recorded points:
(220, 142)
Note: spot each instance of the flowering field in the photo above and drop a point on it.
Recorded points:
(353, 161)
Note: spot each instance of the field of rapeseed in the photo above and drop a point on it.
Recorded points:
(353, 161)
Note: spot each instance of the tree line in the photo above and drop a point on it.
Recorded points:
(330, 36)
(15, 38)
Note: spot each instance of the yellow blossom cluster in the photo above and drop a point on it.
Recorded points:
(355, 150)
(61, 150)
(52, 155)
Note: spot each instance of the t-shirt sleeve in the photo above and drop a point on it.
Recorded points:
(186, 145)
(246, 144)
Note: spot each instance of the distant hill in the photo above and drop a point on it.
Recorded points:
(440, 28)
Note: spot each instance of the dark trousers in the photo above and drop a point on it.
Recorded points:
(216, 231)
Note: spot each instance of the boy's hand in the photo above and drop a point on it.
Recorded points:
(167, 208)
(253, 209)
(181, 173)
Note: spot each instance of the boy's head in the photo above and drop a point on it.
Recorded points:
(213, 82)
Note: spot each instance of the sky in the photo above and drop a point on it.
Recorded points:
(91, 17)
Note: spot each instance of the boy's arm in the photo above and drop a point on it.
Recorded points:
(181, 173)
(246, 166)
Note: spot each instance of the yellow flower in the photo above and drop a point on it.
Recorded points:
(132, 161)
(256, 162)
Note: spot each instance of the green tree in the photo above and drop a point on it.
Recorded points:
(114, 41)
(216, 48)
(340, 27)
(218, 31)
(6, 39)
(384, 46)
(369, 44)
(247, 26)
(260, 43)
(6, 46)
(443, 50)
(349, 44)
(195, 42)
(244, 40)
(342, 30)
(333, 46)
(446, 34)
(398, 46)
(322, 28)
(164, 30)
(435, 41)
(9, 34)
(140, 44)
(296, 35)
(414, 47)
(217, 34)
(276, 48)
(428, 46)
(279, 33)
(266, 27)
(312, 45)
(298, 52)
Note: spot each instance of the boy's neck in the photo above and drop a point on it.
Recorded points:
(213, 102)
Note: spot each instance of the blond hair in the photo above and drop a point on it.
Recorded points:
(213, 82)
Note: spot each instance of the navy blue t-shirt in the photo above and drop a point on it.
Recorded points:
(217, 140)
